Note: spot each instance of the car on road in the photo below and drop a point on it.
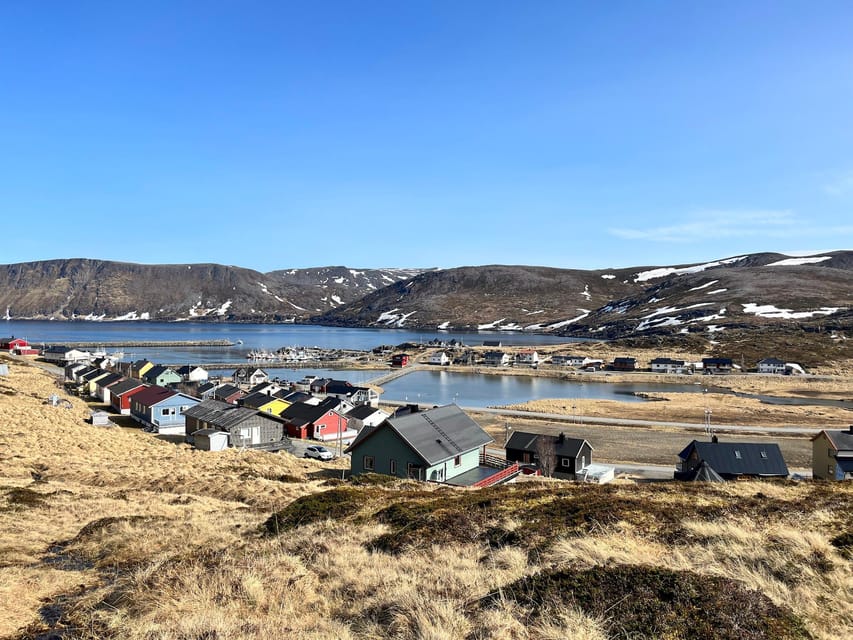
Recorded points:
(318, 452)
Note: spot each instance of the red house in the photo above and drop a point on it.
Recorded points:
(321, 422)
(18, 346)
(122, 392)
(400, 359)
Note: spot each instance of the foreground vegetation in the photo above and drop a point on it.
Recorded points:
(112, 533)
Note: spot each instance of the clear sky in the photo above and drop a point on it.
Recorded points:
(415, 134)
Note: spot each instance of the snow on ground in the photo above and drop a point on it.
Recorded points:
(295, 306)
(608, 276)
(133, 315)
(676, 310)
(533, 313)
(668, 321)
(557, 325)
(444, 325)
(789, 262)
(221, 311)
(585, 293)
(770, 311)
(337, 300)
(490, 325)
(667, 271)
(714, 316)
(340, 280)
(710, 293)
(712, 328)
(355, 273)
(703, 286)
(392, 319)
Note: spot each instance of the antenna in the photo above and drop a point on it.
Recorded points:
(709, 430)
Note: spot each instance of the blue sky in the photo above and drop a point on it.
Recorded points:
(415, 134)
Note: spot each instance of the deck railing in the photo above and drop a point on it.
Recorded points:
(507, 469)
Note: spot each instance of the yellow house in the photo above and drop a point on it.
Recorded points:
(139, 368)
(265, 403)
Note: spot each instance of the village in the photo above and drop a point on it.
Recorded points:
(325, 418)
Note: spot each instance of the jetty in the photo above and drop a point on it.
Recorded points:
(146, 343)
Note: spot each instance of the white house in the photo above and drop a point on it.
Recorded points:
(568, 361)
(771, 365)
(439, 357)
(193, 374)
(668, 365)
(526, 358)
(496, 358)
(65, 355)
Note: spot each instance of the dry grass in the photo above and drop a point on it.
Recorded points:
(112, 533)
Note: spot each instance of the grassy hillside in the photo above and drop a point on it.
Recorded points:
(112, 533)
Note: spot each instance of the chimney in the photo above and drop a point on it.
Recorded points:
(850, 429)
(714, 439)
(561, 438)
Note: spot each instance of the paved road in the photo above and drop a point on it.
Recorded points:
(628, 422)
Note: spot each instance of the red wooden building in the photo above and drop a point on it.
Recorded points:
(400, 359)
(122, 392)
(18, 346)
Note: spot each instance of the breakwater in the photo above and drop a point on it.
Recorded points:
(116, 344)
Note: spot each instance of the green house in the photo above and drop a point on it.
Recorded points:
(440, 445)
(161, 376)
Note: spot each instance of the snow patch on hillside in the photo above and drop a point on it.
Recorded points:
(608, 276)
(789, 262)
(668, 271)
(565, 323)
(771, 311)
(703, 286)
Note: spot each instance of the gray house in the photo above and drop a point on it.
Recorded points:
(245, 427)
(731, 460)
(558, 455)
(440, 445)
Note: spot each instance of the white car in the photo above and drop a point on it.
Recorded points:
(319, 452)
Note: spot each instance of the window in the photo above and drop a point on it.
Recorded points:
(830, 469)
(764, 455)
(368, 463)
(830, 453)
(168, 411)
(566, 462)
(392, 467)
(737, 454)
(457, 461)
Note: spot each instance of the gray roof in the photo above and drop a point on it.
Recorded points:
(220, 414)
(361, 412)
(125, 385)
(739, 458)
(110, 379)
(842, 440)
(440, 433)
(771, 361)
(524, 441)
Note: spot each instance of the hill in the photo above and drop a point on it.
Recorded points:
(113, 533)
(85, 289)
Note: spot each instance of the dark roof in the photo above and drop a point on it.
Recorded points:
(771, 361)
(187, 369)
(155, 371)
(204, 387)
(141, 363)
(702, 473)
(110, 379)
(247, 371)
(255, 400)
(342, 387)
(524, 441)
(667, 361)
(302, 413)
(841, 440)
(262, 386)
(739, 458)
(494, 354)
(57, 349)
(625, 359)
(361, 412)
(124, 386)
(152, 395)
(292, 396)
(491, 343)
(437, 434)
(90, 376)
(226, 391)
(718, 361)
(220, 414)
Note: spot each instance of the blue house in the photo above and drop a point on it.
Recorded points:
(441, 445)
(161, 410)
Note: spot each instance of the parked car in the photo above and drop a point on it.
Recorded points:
(319, 452)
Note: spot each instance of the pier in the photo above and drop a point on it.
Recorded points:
(146, 343)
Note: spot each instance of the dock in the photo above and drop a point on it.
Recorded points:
(146, 343)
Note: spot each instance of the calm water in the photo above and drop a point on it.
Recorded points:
(253, 336)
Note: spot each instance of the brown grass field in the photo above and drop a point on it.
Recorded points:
(113, 533)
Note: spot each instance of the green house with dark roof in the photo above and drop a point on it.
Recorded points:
(440, 445)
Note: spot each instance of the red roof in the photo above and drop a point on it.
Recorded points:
(153, 395)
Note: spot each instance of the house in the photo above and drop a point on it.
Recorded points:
(324, 421)
(439, 358)
(72, 369)
(526, 358)
(441, 445)
(555, 455)
(731, 460)
(344, 390)
(89, 381)
(366, 416)
(264, 403)
(161, 410)
(192, 374)
(568, 361)
(832, 455)
(494, 344)
(624, 364)
(138, 368)
(205, 390)
(496, 359)
(771, 365)
(668, 365)
(717, 365)
(99, 418)
(161, 376)
(121, 393)
(246, 428)
(18, 346)
(400, 359)
(268, 388)
(102, 386)
(65, 355)
(250, 375)
(228, 393)
(210, 440)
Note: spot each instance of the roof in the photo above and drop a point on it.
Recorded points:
(153, 395)
(302, 413)
(841, 440)
(110, 379)
(187, 369)
(156, 371)
(739, 458)
(720, 361)
(524, 441)
(120, 388)
(435, 435)
(292, 396)
(703, 473)
(204, 387)
(220, 414)
(775, 361)
(226, 391)
(209, 433)
(362, 411)
(257, 399)
(342, 387)
(667, 361)
(625, 359)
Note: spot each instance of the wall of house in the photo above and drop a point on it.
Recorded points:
(384, 446)
(468, 460)
(331, 422)
(256, 431)
(822, 460)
